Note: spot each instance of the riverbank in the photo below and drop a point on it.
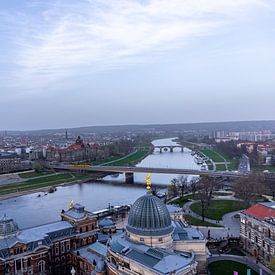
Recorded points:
(32, 182)
(34, 186)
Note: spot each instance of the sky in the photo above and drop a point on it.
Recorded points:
(70, 63)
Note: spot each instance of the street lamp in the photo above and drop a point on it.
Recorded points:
(73, 272)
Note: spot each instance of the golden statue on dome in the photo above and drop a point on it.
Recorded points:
(148, 182)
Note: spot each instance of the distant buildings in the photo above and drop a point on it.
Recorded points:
(257, 231)
(9, 162)
(76, 152)
(260, 136)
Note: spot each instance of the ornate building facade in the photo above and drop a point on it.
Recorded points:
(257, 231)
(77, 152)
(45, 249)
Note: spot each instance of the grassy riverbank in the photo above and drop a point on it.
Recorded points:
(130, 159)
(217, 156)
(47, 181)
(33, 174)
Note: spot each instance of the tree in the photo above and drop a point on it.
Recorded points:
(206, 185)
(37, 166)
(249, 188)
(173, 189)
(272, 161)
(183, 184)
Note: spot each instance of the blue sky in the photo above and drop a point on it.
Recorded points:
(106, 62)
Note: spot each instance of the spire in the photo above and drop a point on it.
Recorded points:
(66, 134)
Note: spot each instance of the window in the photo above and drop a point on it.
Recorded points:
(29, 262)
(62, 248)
(18, 265)
(68, 246)
(160, 239)
(142, 239)
(41, 266)
(56, 250)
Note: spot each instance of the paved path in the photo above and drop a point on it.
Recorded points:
(247, 260)
(231, 224)
(188, 211)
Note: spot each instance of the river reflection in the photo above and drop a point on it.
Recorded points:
(31, 210)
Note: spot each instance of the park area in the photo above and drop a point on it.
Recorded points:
(218, 208)
(217, 156)
(228, 268)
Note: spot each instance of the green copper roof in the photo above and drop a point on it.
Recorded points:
(149, 216)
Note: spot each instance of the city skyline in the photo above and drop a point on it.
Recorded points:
(66, 65)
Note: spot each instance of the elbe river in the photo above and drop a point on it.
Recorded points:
(31, 210)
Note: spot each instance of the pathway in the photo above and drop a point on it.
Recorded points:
(231, 224)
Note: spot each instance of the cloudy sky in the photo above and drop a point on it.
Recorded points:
(67, 63)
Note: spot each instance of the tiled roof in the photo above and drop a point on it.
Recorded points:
(75, 147)
(261, 211)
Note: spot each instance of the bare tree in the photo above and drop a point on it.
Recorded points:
(183, 184)
(173, 188)
(206, 185)
(250, 187)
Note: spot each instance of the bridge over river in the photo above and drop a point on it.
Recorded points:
(130, 170)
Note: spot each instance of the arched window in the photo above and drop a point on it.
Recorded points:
(41, 266)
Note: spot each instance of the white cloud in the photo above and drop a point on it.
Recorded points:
(68, 38)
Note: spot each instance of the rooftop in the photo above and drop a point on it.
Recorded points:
(149, 216)
(183, 233)
(35, 236)
(261, 211)
(77, 212)
(156, 259)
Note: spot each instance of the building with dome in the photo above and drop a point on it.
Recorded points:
(153, 243)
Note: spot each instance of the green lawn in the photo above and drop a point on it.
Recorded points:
(212, 155)
(40, 182)
(193, 221)
(218, 208)
(220, 167)
(133, 158)
(34, 174)
(218, 156)
(228, 268)
(102, 161)
(181, 201)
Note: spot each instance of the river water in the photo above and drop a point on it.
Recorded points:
(31, 210)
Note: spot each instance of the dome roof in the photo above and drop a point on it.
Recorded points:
(7, 227)
(149, 216)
